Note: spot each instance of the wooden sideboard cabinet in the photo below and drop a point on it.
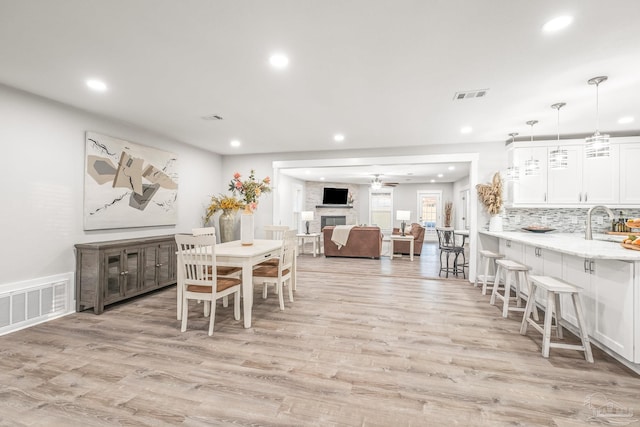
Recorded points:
(108, 272)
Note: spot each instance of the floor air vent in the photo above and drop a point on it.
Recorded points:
(28, 303)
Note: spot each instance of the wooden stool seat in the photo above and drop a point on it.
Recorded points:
(554, 287)
(486, 258)
(519, 275)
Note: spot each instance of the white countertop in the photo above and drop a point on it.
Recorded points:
(572, 244)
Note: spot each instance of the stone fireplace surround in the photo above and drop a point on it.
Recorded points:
(313, 198)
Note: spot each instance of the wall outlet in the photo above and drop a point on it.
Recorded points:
(573, 219)
(517, 219)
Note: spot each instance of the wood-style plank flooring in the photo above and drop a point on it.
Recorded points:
(365, 343)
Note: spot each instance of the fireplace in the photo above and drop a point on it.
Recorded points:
(332, 220)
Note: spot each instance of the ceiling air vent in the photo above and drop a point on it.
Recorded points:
(478, 93)
(212, 117)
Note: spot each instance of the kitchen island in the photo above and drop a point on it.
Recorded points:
(608, 274)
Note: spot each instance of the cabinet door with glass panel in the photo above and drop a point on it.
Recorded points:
(121, 273)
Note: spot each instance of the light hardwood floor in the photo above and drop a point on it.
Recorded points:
(365, 343)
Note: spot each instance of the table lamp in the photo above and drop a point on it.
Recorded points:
(307, 216)
(403, 216)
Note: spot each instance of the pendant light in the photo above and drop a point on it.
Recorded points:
(597, 145)
(513, 172)
(532, 166)
(558, 158)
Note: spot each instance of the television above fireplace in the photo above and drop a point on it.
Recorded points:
(335, 196)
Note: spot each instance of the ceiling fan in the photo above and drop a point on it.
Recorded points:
(377, 184)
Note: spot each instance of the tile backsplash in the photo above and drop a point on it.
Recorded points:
(565, 220)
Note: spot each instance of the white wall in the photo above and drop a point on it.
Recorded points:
(42, 171)
(405, 197)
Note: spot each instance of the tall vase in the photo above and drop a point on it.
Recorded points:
(246, 227)
(227, 219)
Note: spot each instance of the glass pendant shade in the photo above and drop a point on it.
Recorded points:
(513, 172)
(532, 166)
(558, 158)
(597, 145)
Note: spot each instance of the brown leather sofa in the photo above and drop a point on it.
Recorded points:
(402, 247)
(363, 242)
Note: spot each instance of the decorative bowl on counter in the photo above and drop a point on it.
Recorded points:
(538, 229)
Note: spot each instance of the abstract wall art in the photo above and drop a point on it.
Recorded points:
(128, 185)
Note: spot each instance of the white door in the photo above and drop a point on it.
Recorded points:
(429, 213)
(465, 202)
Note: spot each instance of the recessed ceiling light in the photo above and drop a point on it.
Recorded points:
(557, 24)
(440, 175)
(97, 85)
(433, 180)
(625, 120)
(466, 129)
(235, 143)
(338, 137)
(279, 60)
(451, 168)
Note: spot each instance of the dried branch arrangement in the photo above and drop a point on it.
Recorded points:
(448, 213)
(491, 194)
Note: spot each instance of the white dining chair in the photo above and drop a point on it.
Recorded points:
(273, 232)
(220, 270)
(197, 258)
(279, 275)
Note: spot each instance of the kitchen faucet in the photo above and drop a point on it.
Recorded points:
(587, 232)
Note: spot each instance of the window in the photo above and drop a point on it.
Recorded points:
(381, 208)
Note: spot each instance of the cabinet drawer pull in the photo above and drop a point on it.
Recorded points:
(158, 265)
(124, 273)
(585, 197)
(592, 267)
(579, 197)
(586, 266)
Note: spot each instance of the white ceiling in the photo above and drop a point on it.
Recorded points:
(382, 72)
(388, 174)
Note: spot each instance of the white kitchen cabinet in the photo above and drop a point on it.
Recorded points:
(530, 189)
(543, 262)
(585, 181)
(512, 250)
(629, 182)
(607, 300)
(601, 178)
(565, 185)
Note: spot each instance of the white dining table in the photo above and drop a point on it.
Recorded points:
(234, 254)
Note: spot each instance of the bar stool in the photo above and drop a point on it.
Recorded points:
(486, 258)
(554, 288)
(519, 274)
